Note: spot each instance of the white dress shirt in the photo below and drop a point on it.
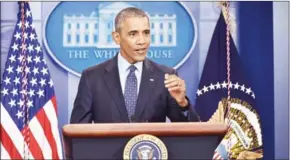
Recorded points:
(123, 67)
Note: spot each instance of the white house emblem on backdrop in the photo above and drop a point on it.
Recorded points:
(84, 31)
(95, 30)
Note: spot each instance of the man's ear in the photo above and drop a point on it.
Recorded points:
(116, 37)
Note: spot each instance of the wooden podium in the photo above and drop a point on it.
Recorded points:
(107, 141)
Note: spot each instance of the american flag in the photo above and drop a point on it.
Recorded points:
(29, 124)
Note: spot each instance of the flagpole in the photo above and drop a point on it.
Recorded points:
(225, 9)
(228, 53)
(225, 6)
(24, 85)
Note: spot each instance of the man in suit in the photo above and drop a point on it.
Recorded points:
(130, 87)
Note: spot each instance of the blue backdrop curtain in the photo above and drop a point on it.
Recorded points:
(256, 49)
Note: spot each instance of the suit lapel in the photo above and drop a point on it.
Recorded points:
(148, 81)
(112, 80)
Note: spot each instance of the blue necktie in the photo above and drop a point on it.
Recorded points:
(130, 93)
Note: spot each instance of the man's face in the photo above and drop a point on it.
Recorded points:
(133, 38)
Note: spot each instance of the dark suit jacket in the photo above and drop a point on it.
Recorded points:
(100, 98)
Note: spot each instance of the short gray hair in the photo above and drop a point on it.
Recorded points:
(127, 13)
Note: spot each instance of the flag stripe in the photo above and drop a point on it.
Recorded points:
(50, 111)
(33, 146)
(53, 101)
(4, 153)
(45, 124)
(8, 144)
(217, 156)
(14, 136)
(39, 135)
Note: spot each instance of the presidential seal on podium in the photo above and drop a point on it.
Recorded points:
(145, 146)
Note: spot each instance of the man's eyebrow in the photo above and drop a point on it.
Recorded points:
(146, 30)
(133, 31)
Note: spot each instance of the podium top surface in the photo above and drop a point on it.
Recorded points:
(132, 129)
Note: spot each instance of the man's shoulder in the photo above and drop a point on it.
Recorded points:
(97, 69)
(161, 68)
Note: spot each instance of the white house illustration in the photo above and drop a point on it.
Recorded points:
(95, 30)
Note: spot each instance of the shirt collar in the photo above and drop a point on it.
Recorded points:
(123, 64)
